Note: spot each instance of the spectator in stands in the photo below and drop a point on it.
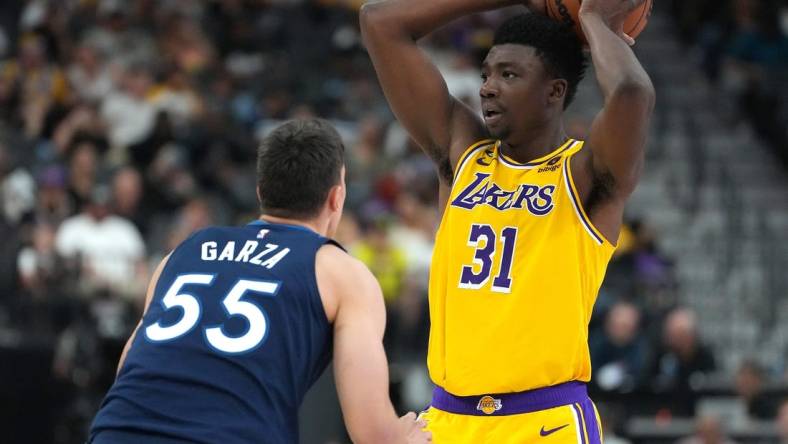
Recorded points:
(127, 189)
(52, 201)
(414, 233)
(42, 84)
(681, 362)
(366, 162)
(115, 34)
(749, 387)
(184, 42)
(80, 124)
(88, 75)
(17, 187)
(84, 164)
(41, 268)
(388, 263)
(129, 114)
(618, 354)
(708, 430)
(108, 249)
(643, 271)
(759, 40)
(178, 98)
(46, 282)
(386, 260)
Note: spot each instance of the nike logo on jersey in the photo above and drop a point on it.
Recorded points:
(538, 200)
(549, 432)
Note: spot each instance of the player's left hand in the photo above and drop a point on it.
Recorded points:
(414, 429)
(613, 13)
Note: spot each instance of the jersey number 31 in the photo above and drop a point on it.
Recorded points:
(233, 305)
(483, 239)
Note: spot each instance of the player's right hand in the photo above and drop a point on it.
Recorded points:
(613, 13)
(413, 429)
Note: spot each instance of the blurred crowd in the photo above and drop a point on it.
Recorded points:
(742, 47)
(125, 125)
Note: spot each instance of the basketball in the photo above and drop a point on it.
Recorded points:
(566, 11)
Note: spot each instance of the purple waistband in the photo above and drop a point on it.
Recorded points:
(510, 403)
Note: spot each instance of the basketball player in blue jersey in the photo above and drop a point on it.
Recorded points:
(241, 321)
(531, 216)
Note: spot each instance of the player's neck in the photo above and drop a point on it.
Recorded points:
(314, 225)
(536, 143)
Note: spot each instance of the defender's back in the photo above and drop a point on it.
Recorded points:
(233, 338)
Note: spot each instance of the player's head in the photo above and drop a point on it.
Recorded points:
(530, 75)
(301, 172)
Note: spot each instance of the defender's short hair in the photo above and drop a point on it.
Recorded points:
(297, 164)
(556, 44)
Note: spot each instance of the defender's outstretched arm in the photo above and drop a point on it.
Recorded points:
(360, 366)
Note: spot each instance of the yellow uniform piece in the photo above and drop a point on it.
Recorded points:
(573, 423)
(515, 272)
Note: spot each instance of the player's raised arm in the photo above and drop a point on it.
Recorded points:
(415, 89)
(618, 134)
(360, 366)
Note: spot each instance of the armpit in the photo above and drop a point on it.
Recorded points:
(445, 170)
(603, 186)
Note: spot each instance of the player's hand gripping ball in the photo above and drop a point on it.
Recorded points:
(628, 16)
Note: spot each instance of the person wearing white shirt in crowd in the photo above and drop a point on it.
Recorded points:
(109, 247)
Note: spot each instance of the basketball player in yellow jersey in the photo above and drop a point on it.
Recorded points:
(531, 217)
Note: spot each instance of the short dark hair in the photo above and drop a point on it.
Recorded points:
(297, 164)
(556, 44)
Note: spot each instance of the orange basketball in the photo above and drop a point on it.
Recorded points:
(566, 11)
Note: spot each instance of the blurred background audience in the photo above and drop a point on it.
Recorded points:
(125, 125)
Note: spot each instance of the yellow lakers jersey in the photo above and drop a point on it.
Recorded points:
(515, 272)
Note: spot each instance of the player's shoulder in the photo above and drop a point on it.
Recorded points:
(340, 266)
(482, 146)
(342, 279)
(581, 157)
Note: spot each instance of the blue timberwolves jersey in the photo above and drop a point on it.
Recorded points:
(235, 335)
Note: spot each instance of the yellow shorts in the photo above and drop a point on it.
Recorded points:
(540, 416)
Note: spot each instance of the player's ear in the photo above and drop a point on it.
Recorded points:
(557, 90)
(336, 197)
(341, 192)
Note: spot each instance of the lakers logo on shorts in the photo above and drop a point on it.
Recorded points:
(489, 405)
